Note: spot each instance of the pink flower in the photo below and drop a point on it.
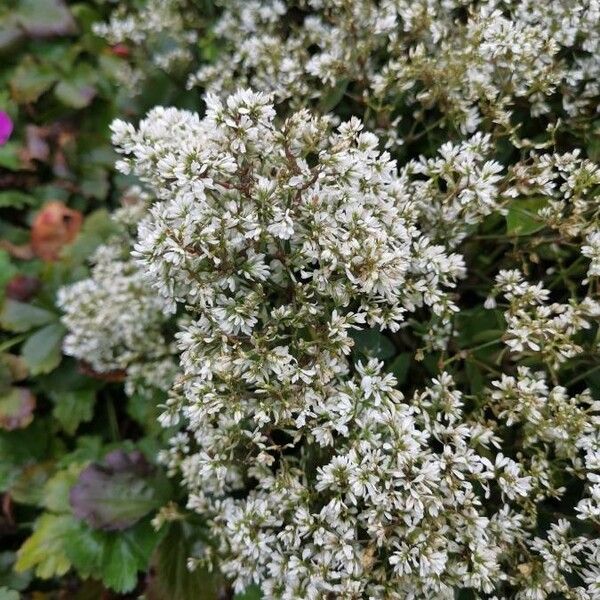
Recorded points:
(6, 127)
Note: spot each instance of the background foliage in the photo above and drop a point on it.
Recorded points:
(77, 482)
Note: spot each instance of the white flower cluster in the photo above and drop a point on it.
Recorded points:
(475, 63)
(283, 235)
(535, 326)
(166, 30)
(456, 189)
(319, 478)
(116, 321)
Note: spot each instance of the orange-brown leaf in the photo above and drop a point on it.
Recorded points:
(55, 226)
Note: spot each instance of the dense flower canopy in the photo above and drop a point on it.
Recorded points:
(283, 233)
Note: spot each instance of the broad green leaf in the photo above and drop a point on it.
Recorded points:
(94, 181)
(42, 350)
(373, 343)
(31, 79)
(113, 557)
(45, 18)
(73, 408)
(115, 494)
(145, 411)
(44, 550)
(20, 316)
(522, 217)
(478, 325)
(474, 377)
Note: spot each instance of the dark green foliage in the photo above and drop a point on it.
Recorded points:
(77, 495)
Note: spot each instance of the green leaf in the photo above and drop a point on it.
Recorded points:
(73, 408)
(250, 593)
(7, 271)
(20, 447)
(94, 181)
(372, 343)
(10, 156)
(96, 229)
(11, 34)
(522, 217)
(478, 325)
(145, 411)
(173, 580)
(27, 488)
(44, 550)
(400, 366)
(78, 89)
(55, 495)
(331, 97)
(45, 18)
(118, 492)
(15, 199)
(6, 594)
(42, 350)
(20, 316)
(115, 558)
(8, 578)
(474, 377)
(31, 79)
(16, 408)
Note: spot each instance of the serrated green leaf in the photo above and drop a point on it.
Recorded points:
(20, 316)
(42, 350)
(115, 558)
(73, 408)
(44, 550)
